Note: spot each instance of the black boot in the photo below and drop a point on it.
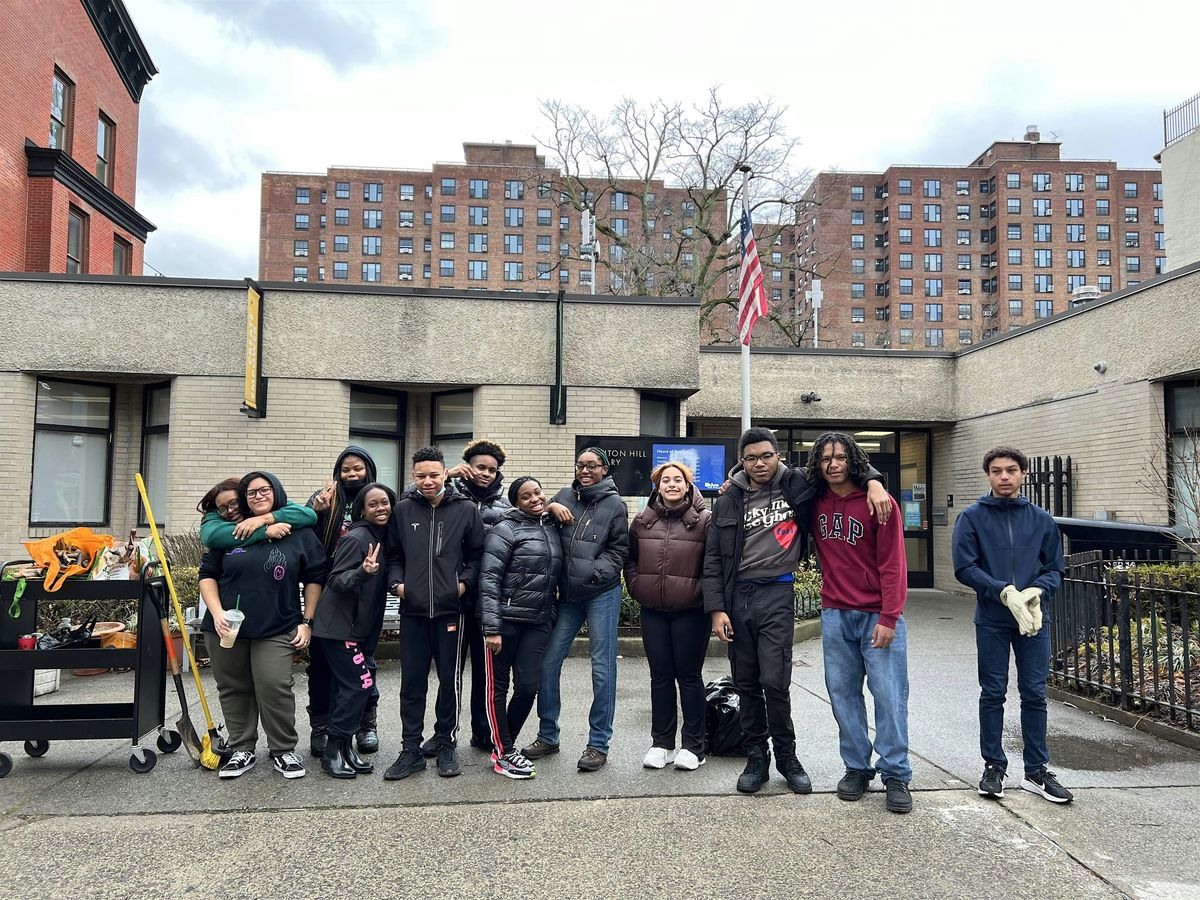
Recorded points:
(354, 761)
(319, 735)
(367, 737)
(793, 773)
(757, 771)
(333, 760)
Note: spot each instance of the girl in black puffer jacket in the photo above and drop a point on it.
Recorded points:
(518, 585)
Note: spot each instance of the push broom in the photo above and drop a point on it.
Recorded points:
(208, 758)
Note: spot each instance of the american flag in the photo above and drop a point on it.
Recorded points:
(752, 297)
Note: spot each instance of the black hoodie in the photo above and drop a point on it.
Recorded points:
(491, 501)
(352, 604)
(431, 549)
(597, 543)
(330, 527)
(263, 580)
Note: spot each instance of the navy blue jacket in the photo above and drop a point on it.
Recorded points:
(998, 542)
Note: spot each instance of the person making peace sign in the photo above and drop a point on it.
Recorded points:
(349, 619)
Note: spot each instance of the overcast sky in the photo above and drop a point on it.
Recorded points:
(247, 86)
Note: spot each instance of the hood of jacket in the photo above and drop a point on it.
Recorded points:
(276, 487)
(688, 511)
(450, 495)
(738, 476)
(485, 495)
(348, 491)
(517, 515)
(990, 499)
(594, 493)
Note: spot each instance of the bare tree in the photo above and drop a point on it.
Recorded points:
(1175, 476)
(665, 183)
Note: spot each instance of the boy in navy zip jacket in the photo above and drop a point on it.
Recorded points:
(1010, 552)
(435, 541)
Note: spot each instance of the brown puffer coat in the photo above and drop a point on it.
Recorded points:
(666, 554)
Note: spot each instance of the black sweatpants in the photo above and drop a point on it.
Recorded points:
(321, 685)
(352, 683)
(522, 647)
(761, 659)
(479, 688)
(675, 645)
(424, 640)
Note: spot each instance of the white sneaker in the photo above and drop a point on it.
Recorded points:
(688, 761)
(658, 758)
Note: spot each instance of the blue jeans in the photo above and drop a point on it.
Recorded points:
(849, 658)
(601, 613)
(1033, 668)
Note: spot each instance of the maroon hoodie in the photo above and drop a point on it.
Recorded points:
(862, 562)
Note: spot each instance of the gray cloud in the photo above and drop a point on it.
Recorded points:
(345, 35)
(173, 160)
(183, 253)
(1128, 133)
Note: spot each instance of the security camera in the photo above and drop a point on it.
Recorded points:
(1101, 367)
(810, 397)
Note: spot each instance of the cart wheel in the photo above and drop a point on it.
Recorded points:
(5, 764)
(170, 741)
(143, 767)
(37, 748)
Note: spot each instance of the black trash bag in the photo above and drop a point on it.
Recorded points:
(67, 637)
(723, 719)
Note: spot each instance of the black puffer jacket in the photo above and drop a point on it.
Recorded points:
(491, 500)
(597, 543)
(518, 578)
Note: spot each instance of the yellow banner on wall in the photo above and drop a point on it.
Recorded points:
(253, 323)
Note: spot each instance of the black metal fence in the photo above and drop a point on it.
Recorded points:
(1129, 636)
(1048, 485)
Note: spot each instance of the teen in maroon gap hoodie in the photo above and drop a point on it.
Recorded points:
(864, 585)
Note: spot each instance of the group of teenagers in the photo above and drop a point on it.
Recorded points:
(506, 576)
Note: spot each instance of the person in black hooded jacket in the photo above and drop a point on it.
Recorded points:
(518, 583)
(435, 540)
(478, 478)
(594, 525)
(263, 582)
(349, 620)
(333, 504)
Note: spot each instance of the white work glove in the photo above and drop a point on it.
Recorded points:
(1015, 601)
(1033, 602)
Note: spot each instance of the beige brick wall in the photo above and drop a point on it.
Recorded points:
(1111, 434)
(18, 393)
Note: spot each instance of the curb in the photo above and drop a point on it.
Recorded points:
(1136, 721)
(630, 645)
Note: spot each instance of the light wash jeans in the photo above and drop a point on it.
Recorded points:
(601, 613)
(849, 657)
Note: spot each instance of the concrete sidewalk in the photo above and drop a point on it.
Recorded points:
(78, 823)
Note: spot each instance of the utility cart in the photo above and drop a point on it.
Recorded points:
(39, 724)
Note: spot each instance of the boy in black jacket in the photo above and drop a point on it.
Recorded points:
(435, 540)
(347, 625)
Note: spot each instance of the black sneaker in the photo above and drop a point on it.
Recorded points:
(756, 773)
(240, 762)
(853, 785)
(1045, 784)
(289, 765)
(430, 748)
(481, 743)
(992, 782)
(406, 763)
(447, 762)
(793, 773)
(539, 749)
(899, 800)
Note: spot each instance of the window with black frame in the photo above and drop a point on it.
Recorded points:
(453, 422)
(377, 420)
(156, 416)
(72, 453)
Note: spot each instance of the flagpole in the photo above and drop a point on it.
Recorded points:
(745, 170)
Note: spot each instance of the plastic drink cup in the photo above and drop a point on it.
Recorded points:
(234, 618)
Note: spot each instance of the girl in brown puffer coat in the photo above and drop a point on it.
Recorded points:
(666, 559)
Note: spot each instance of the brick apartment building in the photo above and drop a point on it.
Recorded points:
(71, 78)
(943, 256)
(500, 220)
